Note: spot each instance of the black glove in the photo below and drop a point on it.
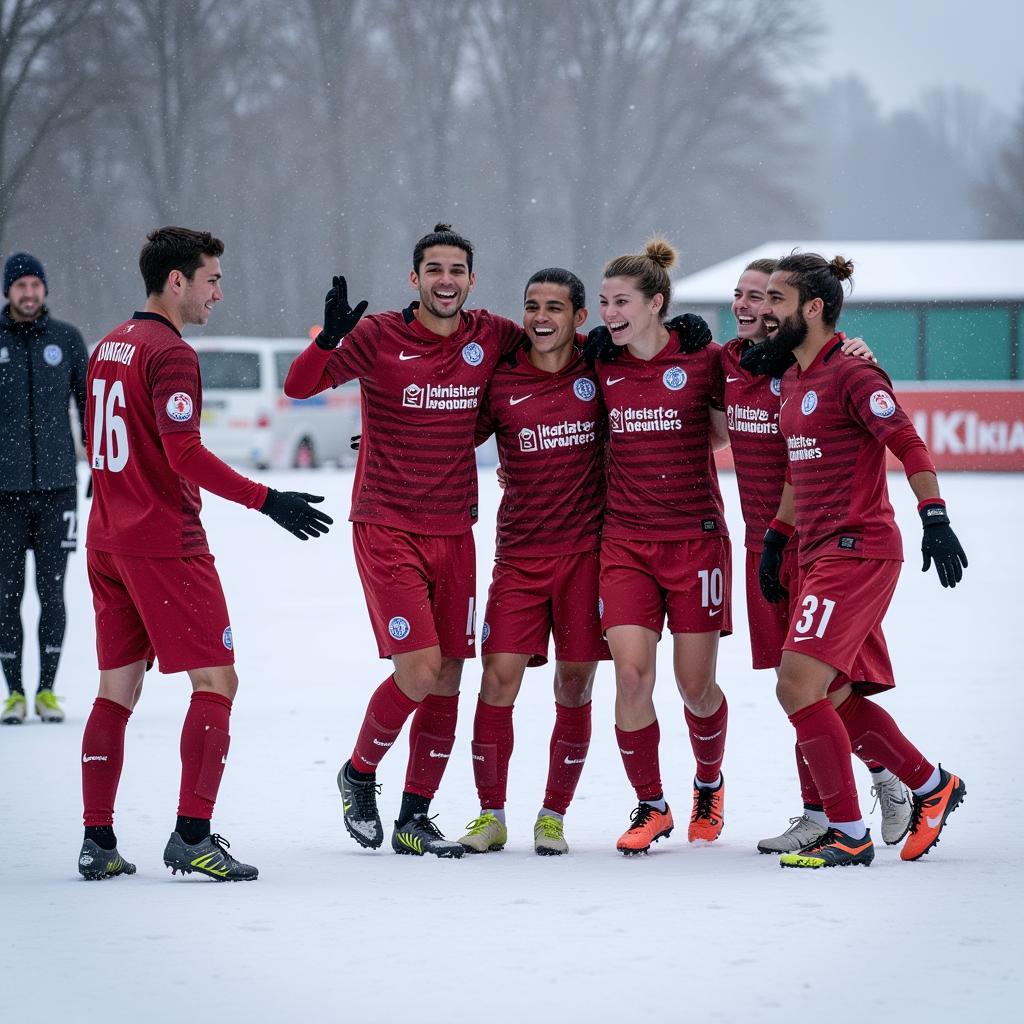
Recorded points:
(767, 358)
(694, 333)
(291, 509)
(353, 442)
(599, 345)
(339, 316)
(940, 544)
(771, 562)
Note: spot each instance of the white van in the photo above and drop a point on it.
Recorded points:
(248, 420)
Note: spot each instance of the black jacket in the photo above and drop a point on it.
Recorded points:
(42, 365)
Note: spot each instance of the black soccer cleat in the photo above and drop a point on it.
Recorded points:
(94, 862)
(359, 802)
(420, 835)
(209, 857)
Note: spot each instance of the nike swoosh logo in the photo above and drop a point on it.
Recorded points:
(801, 639)
(731, 380)
(613, 380)
(405, 358)
(718, 611)
(933, 822)
(434, 753)
(516, 401)
(570, 760)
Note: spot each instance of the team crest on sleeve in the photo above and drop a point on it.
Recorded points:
(485, 633)
(473, 354)
(810, 403)
(600, 607)
(776, 386)
(227, 640)
(53, 355)
(583, 388)
(399, 627)
(882, 404)
(179, 407)
(674, 378)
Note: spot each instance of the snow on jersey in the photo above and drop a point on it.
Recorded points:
(836, 418)
(421, 394)
(143, 382)
(758, 447)
(662, 481)
(550, 433)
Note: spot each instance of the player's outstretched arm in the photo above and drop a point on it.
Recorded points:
(939, 544)
(339, 316)
(292, 511)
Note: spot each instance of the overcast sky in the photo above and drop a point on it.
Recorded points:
(903, 47)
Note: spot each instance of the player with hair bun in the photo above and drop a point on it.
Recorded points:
(665, 546)
(838, 417)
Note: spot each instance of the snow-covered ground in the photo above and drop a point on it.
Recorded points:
(332, 932)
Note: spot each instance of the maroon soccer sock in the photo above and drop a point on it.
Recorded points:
(825, 747)
(204, 752)
(385, 715)
(808, 790)
(570, 740)
(875, 735)
(639, 750)
(102, 757)
(707, 738)
(431, 738)
(493, 738)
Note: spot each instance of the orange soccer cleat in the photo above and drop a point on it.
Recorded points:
(648, 826)
(930, 814)
(708, 815)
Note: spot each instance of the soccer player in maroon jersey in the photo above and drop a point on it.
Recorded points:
(545, 411)
(422, 372)
(759, 456)
(665, 546)
(838, 417)
(155, 589)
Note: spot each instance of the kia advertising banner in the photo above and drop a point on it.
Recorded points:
(970, 426)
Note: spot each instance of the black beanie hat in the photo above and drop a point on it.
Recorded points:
(22, 264)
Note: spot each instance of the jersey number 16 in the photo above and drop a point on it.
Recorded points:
(109, 430)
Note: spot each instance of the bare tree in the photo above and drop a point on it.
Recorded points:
(39, 93)
(1000, 197)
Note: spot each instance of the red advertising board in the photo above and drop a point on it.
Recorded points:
(966, 426)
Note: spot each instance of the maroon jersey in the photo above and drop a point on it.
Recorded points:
(420, 398)
(662, 482)
(758, 447)
(550, 433)
(837, 418)
(143, 383)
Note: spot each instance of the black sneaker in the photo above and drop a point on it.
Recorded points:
(209, 857)
(94, 862)
(359, 800)
(835, 849)
(420, 836)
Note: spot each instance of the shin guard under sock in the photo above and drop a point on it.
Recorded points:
(707, 738)
(102, 757)
(825, 747)
(204, 752)
(493, 739)
(875, 735)
(639, 750)
(431, 738)
(570, 741)
(386, 713)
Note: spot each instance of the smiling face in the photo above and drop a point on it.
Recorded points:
(782, 315)
(626, 311)
(26, 297)
(444, 281)
(747, 299)
(548, 317)
(198, 296)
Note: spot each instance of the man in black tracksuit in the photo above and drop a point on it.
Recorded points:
(42, 366)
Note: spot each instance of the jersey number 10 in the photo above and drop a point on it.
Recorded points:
(109, 430)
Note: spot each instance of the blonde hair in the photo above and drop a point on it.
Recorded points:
(649, 269)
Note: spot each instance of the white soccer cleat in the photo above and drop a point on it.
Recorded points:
(801, 832)
(897, 806)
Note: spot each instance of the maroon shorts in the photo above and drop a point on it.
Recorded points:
(769, 623)
(420, 589)
(689, 580)
(837, 618)
(172, 608)
(532, 598)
